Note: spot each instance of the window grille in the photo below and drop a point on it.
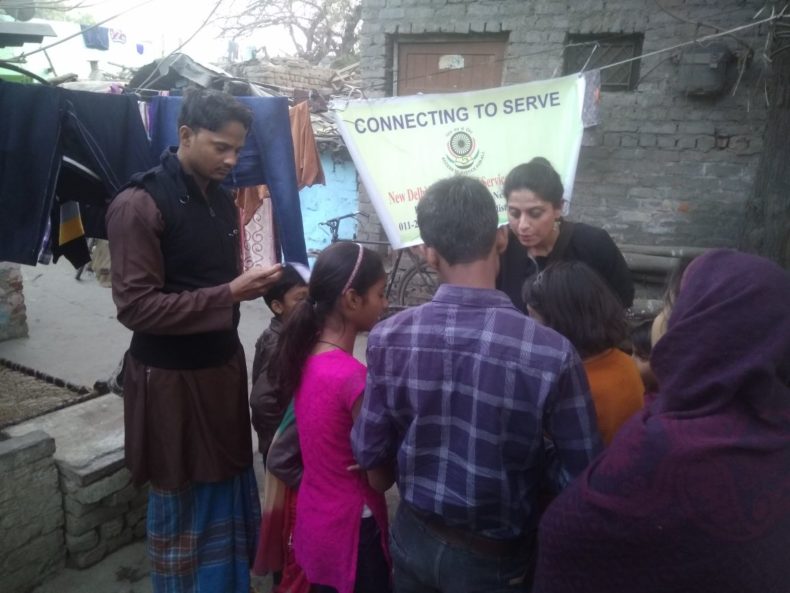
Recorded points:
(611, 48)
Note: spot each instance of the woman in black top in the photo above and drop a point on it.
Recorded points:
(539, 236)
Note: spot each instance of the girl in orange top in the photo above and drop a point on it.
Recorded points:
(572, 299)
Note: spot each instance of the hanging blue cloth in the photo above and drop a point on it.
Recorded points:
(267, 158)
(103, 134)
(41, 125)
(30, 157)
(95, 37)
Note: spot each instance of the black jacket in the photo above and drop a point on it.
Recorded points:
(587, 244)
(200, 248)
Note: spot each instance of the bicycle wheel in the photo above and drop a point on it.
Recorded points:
(417, 285)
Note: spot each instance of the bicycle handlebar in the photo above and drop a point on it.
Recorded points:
(337, 219)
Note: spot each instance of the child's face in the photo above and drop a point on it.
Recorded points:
(291, 298)
(374, 302)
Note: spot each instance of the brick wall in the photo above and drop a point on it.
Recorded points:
(662, 168)
(286, 73)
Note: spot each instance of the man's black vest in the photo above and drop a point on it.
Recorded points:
(200, 248)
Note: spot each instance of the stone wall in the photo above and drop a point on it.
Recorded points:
(663, 168)
(103, 510)
(54, 514)
(13, 317)
(31, 512)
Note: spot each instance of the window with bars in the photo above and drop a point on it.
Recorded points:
(610, 48)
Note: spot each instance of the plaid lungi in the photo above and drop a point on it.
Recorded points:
(202, 537)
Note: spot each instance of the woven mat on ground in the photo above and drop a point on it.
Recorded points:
(25, 394)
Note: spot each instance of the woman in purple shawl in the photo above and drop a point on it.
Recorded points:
(693, 494)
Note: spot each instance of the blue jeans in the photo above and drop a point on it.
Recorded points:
(424, 563)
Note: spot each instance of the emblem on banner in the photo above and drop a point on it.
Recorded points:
(463, 155)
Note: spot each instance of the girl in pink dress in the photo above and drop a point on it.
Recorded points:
(340, 537)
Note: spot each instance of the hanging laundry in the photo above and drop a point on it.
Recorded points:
(117, 36)
(308, 162)
(71, 239)
(309, 170)
(91, 191)
(259, 244)
(30, 157)
(105, 134)
(103, 140)
(45, 253)
(266, 159)
(95, 37)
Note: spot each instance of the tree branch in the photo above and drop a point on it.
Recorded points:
(329, 27)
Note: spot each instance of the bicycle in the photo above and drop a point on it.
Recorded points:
(418, 281)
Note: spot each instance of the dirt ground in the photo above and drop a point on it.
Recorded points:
(23, 396)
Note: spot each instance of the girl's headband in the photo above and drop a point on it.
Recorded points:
(355, 270)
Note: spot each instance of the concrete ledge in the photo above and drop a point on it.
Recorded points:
(100, 509)
(25, 449)
(95, 469)
(89, 436)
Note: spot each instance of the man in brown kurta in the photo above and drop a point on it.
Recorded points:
(176, 283)
(181, 425)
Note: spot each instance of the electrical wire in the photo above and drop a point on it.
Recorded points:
(388, 85)
(700, 23)
(695, 41)
(58, 5)
(59, 41)
(152, 77)
(650, 71)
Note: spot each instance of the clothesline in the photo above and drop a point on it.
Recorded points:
(82, 32)
(153, 76)
(697, 40)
